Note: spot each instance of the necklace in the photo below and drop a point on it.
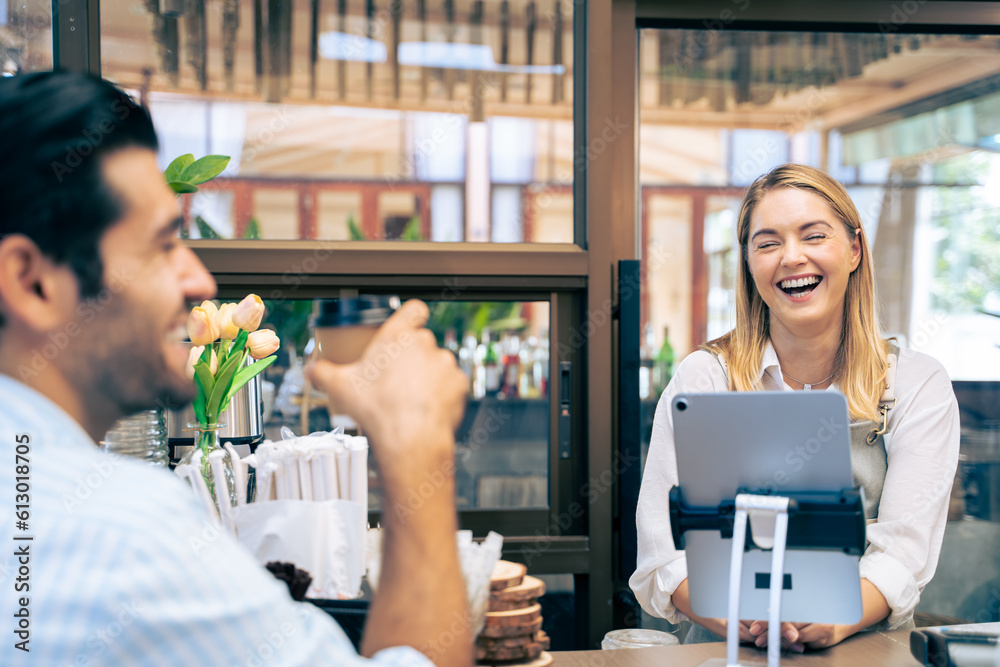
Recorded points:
(805, 386)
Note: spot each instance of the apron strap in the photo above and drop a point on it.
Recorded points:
(888, 400)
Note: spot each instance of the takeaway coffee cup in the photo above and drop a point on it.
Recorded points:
(345, 326)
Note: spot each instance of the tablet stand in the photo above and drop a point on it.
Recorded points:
(841, 526)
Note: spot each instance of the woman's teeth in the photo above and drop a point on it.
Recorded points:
(800, 285)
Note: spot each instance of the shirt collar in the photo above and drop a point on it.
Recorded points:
(769, 365)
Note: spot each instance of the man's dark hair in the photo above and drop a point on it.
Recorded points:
(55, 127)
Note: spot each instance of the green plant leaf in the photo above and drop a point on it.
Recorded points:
(239, 342)
(253, 230)
(223, 352)
(199, 408)
(205, 381)
(248, 373)
(179, 164)
(205, 229)
(222, 381)
(182, 187)
(204, 169)
(412, 230)
(353, 230)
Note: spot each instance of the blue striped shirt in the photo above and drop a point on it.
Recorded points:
(124, 568)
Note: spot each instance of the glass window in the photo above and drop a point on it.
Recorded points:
(910, 124)
(502, 456)
(25, 36)
(430, 121)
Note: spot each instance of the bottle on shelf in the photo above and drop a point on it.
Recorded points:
(491, 364)
(479, 367)
(526, 387)
(451, 342)
(467, 359)
(540, 367)
(511, 361)
(663, 365)
(646, 354)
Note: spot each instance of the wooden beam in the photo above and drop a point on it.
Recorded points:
(699, 273)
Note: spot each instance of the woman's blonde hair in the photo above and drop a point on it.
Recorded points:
(861, 362)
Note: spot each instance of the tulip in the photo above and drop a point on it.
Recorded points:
(193, 359)
(262, 343)
(224, 320)
(201, 326)
(210, 308)
(213, 363)
(248, 313)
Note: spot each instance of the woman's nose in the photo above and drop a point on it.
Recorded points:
(791, 254)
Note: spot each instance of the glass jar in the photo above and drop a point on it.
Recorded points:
(142, 436)
(637, 638)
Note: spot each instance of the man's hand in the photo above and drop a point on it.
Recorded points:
(408, 396)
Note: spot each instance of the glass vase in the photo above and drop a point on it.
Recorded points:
(206, 442)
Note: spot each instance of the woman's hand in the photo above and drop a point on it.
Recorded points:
(719, 626)
(797, 637)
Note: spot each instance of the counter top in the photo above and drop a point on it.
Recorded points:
(877, 649)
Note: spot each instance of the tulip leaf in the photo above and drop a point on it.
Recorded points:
(179, 164)
(240, 342)
(182, 187)
(222, 381)
(204, 169)
(223, 352)
(205, 381)
(248, 373)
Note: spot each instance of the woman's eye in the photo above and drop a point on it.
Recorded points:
(169, 246)
(816, 237)
(766, 245)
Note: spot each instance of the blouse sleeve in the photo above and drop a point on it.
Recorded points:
(660, 568)
(922, 450)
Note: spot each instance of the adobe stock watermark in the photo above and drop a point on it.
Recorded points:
(461, 626)
(92, 138)
(274, 640)
(86, 311)
(87, 484)
(101, 640)
(408, 165)
(701, 41)
(902, 13)
(278, 122)
(495, 417)
(591, 491)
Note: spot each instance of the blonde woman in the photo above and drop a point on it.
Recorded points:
(806, 320)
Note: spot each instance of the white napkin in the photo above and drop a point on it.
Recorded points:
(319, 537)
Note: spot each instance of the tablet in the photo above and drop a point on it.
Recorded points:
(767, 442)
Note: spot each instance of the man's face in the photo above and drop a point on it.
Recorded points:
(131, 342)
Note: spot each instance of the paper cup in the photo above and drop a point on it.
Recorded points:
(344, 327)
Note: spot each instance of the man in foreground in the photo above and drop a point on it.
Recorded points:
(113, 562)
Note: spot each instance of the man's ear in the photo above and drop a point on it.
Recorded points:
(34, 290)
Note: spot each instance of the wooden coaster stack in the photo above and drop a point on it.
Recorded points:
(513, 633)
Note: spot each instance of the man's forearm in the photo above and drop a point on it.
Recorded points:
(421, 599)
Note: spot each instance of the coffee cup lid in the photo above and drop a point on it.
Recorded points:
(361, 310)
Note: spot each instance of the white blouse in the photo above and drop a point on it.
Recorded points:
(922, 450)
